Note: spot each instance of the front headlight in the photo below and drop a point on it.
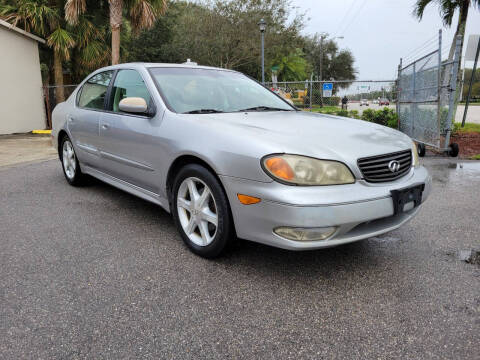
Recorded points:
(416, 162)
(303, 170)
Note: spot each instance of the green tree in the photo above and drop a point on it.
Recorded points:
(226, 33)
(291, 67)
(141, 14)
(46, 18)
(336, 64)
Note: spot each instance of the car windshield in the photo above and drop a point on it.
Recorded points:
(188, 90)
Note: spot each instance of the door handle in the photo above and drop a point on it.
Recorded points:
(104, 126)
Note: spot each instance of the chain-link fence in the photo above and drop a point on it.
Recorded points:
(50, 94)
(426, 104)
(324, 95)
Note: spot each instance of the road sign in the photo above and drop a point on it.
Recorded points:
(327, 89)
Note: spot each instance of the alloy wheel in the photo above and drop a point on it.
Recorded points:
(68, 159)
(197, 211)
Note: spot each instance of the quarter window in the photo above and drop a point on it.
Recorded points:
(128, 83)
(93, 92)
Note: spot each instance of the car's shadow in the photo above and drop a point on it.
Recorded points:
(355, 257)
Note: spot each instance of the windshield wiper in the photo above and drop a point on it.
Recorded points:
(264, 108)
(203, 111)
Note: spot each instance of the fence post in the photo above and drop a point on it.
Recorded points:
(453, 85)
(414, 104)
(439, 85)
(311, 93)
(399, 75)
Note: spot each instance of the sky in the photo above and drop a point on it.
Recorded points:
(380, 32)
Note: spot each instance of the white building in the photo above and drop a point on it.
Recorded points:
(21, 100)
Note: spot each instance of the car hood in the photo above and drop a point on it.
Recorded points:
(315, 135)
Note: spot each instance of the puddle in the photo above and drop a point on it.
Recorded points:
(450, 171)
(470, 256)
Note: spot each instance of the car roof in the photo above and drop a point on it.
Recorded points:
(165, 65)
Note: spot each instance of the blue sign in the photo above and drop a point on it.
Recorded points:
(327, 86)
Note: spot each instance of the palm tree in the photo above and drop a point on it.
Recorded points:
(447, 11)
(46, 18)
(141, 13)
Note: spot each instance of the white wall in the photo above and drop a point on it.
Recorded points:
(21, 99)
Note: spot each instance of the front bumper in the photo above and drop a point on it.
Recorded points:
(359, 210)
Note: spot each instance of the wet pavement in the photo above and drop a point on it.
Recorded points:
(93, 272)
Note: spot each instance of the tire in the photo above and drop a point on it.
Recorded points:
(70, 164)
(421, 149)
(453, 150)
(196, 222)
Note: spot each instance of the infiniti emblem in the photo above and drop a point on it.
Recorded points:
(394, 166)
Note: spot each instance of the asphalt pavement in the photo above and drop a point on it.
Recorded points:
(93, 272)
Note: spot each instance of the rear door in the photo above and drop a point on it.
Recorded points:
(84, 119)
(130, 145)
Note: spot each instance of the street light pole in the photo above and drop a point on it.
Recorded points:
(263, 25)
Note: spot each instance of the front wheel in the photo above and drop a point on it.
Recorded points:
(201, 211)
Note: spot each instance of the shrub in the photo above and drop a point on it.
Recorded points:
(342, 113)
(385, 116)
(354, 114)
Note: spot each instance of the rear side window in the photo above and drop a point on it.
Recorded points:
(128, 83)
(92, 95)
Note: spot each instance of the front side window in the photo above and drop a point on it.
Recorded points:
(189, 90)
(93, 92)
(128, 83)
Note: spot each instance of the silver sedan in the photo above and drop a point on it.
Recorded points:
(229, 158)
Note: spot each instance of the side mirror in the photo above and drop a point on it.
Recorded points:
(135, 105)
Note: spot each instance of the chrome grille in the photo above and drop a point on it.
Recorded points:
(375, 168)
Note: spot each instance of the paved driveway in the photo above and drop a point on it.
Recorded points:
(96, 273)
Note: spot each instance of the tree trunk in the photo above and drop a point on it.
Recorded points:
(58, 75)
(462, 21)
(116, 9)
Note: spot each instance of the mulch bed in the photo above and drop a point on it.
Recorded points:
(468, 142)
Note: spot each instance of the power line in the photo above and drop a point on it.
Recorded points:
(344, 18)
(354, 18)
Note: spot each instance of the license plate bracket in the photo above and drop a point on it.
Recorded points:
(406, 195)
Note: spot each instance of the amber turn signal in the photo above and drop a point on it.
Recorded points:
(280, 168)
(248, 200)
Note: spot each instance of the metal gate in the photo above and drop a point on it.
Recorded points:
(426, 97)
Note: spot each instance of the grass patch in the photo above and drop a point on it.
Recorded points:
(469, 127)
(325, 109)
(471, 104)
(475, 157)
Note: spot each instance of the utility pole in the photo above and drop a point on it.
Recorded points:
(472, 78)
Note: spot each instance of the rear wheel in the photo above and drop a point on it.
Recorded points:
(201, 211)
(70, 165)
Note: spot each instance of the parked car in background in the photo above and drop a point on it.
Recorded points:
(364, 102)
(382, 102)
(229, 158)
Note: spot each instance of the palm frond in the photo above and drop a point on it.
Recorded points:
(73, 9)
(144, 13)
(419, 8)
(62, 41)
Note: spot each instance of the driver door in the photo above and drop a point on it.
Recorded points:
(130, 147)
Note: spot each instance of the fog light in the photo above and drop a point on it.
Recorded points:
(304, 234)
